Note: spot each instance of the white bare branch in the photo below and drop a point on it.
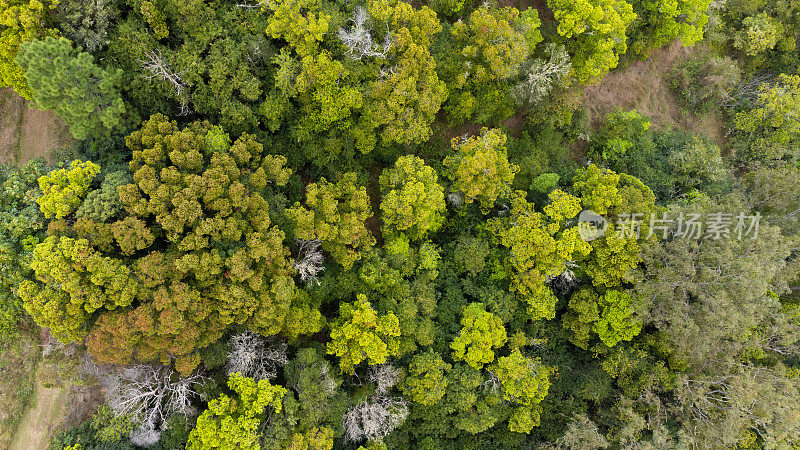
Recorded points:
(261, 4)
(358, 39)
(253, 357)
(385, 376)
(160, 70)
(542, 75)
(148, 396)
(374, 418)
(309, 261)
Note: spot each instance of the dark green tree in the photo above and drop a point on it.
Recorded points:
(67, 80)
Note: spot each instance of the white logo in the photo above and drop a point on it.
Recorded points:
(591, 225)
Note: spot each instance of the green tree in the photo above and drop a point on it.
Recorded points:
(482, 332)
(314, 382)
(773, 191)
(620, 133)
(192, 57)
(594, 32)
(233, 422)
(717, 300)
(103, 204)
(660, 22)
(609, 316)
(524, 382)
(67, 80)
(413, 201)
(425, 382)
(699, 165)
(359, 335)
(488, 49)
(772, 126)
(21, 228)
(481, 170)
(20, 21)
(87, 22)
(760, 34)
(64, 189)
(336, 217)
(405, 101)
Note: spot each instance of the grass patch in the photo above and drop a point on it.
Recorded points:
(18, 361)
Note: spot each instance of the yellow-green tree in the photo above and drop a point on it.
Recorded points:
(594, 33)
(609, 317)
(619, 198)
(64, 189)
(525, 382)
(232, 423)
(482, 332)
(73, 282)
(761, 33)
(335, 215)
(197, 243)
(302, 24)
(313, 439)
(20, 21)
(413, 201)
(405, 101)
(540, 247)
(360, 334)
(481, 170)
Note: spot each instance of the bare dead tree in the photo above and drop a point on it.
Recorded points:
(566, 281)
(385, 376)
(747, 92)
(252, 356)
(148, 396)
(358, 39)
(374, 418)
(492, 383)
(309, 261)
(455, 199)
(159, 70)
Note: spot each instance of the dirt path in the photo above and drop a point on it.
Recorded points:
(39, 423)
(27, 133)
(12, 109)
(643, 86)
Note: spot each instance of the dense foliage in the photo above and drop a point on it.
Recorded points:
(316, 224)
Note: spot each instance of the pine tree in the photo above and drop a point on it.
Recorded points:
(67, 80)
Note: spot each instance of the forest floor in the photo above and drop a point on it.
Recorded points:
(18, 362)
(27, 133)
(40, 423)
(643, 86)
(60, 395)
